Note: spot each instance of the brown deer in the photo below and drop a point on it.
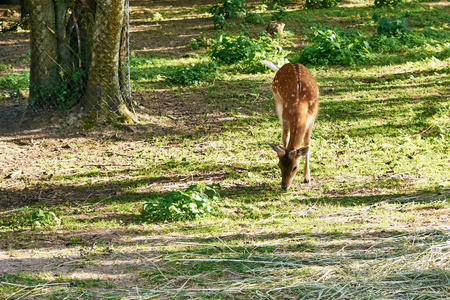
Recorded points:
(297, 102)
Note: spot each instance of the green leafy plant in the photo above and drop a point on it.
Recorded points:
(156, 17)
(194, 202)
(194, 74)
(390, 26)
(201, 42)
(61, 96)
(35, 218)
(219, 21)
(41, 218)
(345, 47)
(4, 67)
(246, 53)
(279, 15)
(254, 18)
(229, 9)
(276, 4)
(315, 4)
(15, 81)
(384, 3)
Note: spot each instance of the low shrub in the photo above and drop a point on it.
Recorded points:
(390, 26)
(276, 4)
(279, 15)
(254, 18)
(201, 42)
(34, 218)
(194, 202)
(229, 9)
(63, 95)
(194, 74)
(384, 3)
(315, 4)
(329, 46)
(246, 53)
(219, 21)
(15, 81)
(412, 45)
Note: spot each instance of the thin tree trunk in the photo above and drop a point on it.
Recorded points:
(66, 57)
(25, 13)
(44, 49)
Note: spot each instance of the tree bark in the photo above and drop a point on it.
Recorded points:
(25, 13)
(78, 54)
(103, 90)
(44, 48)
(66, 57)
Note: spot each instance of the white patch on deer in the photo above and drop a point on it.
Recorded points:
(308, 123)
(280, 111)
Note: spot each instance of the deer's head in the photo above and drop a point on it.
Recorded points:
(288, 162)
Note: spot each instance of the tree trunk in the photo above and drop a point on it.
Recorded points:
(103, 90)
(79, 54)
(44, 48)
(61, 33)
(25, 13)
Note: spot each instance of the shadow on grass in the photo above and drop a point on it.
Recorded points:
(164, 261)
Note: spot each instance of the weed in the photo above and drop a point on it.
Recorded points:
(246, 53)
(279, 15)
(34, 218)
(200, 42)
(61, 96)
(4, 67)
(194, 74)
(384, 3)
(346, 47)
(390, 26)
(194, 202)
(314, 4)
(254, 18)
(156, 17)
(230, 9)
(15, 81)
(276, 4)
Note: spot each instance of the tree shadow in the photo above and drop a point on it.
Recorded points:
(141, 256)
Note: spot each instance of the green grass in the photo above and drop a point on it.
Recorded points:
(372, 224)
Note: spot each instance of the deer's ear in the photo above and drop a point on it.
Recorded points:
(299, 152)
(280, 150)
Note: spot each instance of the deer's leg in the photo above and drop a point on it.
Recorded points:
(307, 141)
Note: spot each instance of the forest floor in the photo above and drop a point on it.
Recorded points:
(373, 223)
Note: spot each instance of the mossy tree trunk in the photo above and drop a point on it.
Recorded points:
(104, 87)
(76, 55)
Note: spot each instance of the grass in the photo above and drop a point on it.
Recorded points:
(373, 224)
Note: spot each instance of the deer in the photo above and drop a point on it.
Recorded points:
(296, 95)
